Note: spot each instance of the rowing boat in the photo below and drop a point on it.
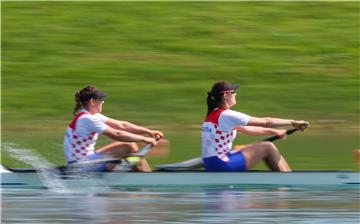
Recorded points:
(25, 178)
(181, 174)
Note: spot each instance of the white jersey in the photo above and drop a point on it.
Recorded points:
(218, 132)
(81, 135)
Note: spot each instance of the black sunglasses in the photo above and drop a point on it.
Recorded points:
(99, 98)
(229, 91)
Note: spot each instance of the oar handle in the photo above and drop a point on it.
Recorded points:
(276, 137)
(144, 150)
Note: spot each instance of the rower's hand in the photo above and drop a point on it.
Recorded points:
(156, 134)
(301, 125)
(150, 140)
(281, 133)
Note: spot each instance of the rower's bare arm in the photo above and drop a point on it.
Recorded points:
(124, 136)
(133, 128)
(270, 122)
(125, 126)
(256, 131)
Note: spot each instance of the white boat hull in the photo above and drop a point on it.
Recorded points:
(190, 179)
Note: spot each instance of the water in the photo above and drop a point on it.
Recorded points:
(47, 172)
(65, 204)
(181, 206)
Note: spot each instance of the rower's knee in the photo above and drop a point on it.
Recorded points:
(269, 147)
(130, 147)
(267, 144)
(133, 147)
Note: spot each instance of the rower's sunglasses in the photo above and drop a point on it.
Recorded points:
(102, 99)
(229, 91)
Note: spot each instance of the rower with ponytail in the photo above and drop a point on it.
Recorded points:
(220, 128)
(89, 123)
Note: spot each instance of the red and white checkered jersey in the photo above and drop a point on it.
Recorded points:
(218, 132)
(81, 135)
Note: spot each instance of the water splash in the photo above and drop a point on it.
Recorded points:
(50, 176)
(47, 172)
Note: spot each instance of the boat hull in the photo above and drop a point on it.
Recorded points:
(187, 179)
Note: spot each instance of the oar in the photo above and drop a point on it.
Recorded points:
(143, 151)
(107, 159)
(85, 164)
(288, 132)
(276, 137)
(146, 149)
(198, 162)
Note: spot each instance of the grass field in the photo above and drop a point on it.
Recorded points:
(157, 60)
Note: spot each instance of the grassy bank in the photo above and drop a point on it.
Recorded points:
(157, 60)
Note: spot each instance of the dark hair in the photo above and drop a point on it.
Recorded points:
(216, 95)
(214, 101)
(82, 98)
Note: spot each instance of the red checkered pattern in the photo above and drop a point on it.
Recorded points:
(82, 146)
(219, 141)
(222, 142)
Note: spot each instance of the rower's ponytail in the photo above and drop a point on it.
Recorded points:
(211, 103)
(77, 103)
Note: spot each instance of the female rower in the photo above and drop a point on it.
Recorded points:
(82, 133)
(219, 131)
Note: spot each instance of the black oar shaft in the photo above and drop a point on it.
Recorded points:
(276, 137)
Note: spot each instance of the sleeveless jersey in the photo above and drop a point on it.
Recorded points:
(218, 132)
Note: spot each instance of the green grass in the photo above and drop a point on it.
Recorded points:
(157, 60)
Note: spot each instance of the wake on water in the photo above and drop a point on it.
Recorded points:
(48, 173)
